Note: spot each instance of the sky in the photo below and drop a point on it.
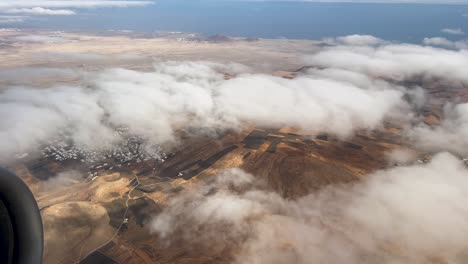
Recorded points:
(68, 7)
(389, 1)
(272, 19)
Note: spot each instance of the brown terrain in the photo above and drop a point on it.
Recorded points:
(92, 212)
(102, 217)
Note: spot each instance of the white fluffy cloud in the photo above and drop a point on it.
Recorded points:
(411, 214)
(451, 135)
(438, 41)
(7, 19)
(453, 31)
(405, 62)
(180, 96)
(70, 4)
(351, 86)
(56, 7)
(40, 11)
(395, 61)
(443, 42)
(355, 40)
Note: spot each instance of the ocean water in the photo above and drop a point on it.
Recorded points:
(297, 20)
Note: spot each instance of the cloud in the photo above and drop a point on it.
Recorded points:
(40, 39)
(306, 102)
(191, 96)
(17, 75)
(8, 29)
(453, 31)
(401, 156)
(413, 214)
(370, 76)
(49, 7)
(438, 41)
(195, 96)
(7, 4)
(61, 180)
(11, 19)
(443, 42)
(355, 40)
(451, 135)
(40, 11)
(405, 63)
(395, 61)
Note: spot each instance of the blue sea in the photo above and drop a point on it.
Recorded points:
(295, 20)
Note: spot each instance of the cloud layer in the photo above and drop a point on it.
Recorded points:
(410, 214)
(70, 4)
(414, 214)
(354, 84)
(453, 31)
(395, 61)
(40, 11)
(185, 96)
(443, 42)
(450, 135)
(411, 66)
(59, 7)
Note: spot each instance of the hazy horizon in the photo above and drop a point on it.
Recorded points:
(267, 19)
